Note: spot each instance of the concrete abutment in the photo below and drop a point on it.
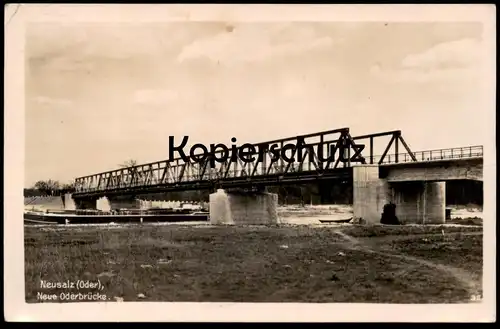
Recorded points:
(369, 194)
(416, 202)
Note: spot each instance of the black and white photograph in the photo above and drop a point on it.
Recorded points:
(243, 155)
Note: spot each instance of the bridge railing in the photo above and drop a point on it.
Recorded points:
(438, 154)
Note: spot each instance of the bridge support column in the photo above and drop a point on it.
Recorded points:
(103, 204)
(420, 202)
(370, 193)
(240, 207)
(69, 202)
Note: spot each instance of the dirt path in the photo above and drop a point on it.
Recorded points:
(387, 238)
(463, 277)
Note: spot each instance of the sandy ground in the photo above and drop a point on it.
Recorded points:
(312, 214)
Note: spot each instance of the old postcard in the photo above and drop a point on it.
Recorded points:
(250, 163)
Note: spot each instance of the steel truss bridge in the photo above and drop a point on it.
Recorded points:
(180, 175)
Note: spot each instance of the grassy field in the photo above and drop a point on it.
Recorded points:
(341, 263)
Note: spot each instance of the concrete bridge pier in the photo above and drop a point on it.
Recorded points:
(103, 204)
(69, 202)
(243, 207)
(420, 202)
(417, 202)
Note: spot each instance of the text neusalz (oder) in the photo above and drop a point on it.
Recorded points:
(68, 284)
(220, 153)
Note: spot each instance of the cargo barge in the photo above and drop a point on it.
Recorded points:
(37, 218)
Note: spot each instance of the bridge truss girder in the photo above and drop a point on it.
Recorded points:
(177, 174)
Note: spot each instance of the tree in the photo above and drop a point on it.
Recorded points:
(49, 187)
(129, 163)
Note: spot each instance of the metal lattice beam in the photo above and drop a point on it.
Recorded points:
(184, 175)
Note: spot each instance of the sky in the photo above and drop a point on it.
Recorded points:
(97, 95)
